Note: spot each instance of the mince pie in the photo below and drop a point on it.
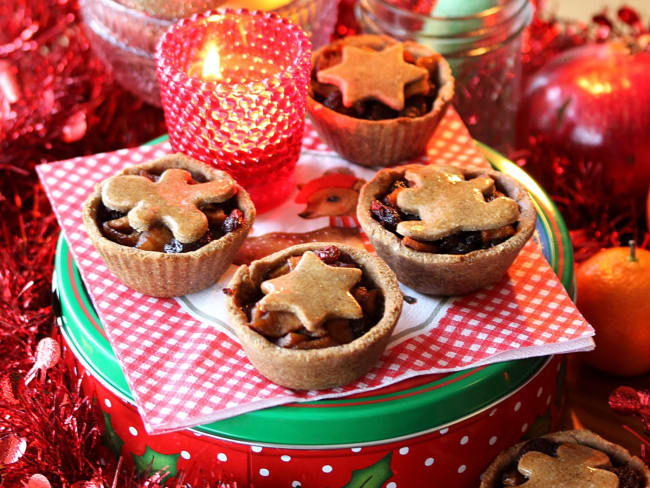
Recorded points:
(170, 226)
(446, 231)
(569, 459)
(377, 101)
(315, 315)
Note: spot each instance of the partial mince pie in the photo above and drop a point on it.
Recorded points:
(569, 459)
(375, 100)
(446, 231)
(315, 315)
(170, 226)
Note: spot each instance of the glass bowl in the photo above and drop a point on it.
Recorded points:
(125, 38)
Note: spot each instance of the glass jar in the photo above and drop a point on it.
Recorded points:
(484, 51)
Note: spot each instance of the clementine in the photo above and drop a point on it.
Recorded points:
(614, 297)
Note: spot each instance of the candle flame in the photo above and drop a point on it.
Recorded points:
(212, 64)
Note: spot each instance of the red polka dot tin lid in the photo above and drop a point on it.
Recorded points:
(401, 410)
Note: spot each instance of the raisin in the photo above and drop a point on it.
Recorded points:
(539, 445)
(233, 222)
(334, 101)
(104, 214)
(387, 216)
(373, 110)
(358, 327)
(174, 246)
(460, 243)
(329, 254)
(628, 477)
(416, 106)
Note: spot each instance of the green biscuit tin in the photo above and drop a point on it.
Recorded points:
(414, 414)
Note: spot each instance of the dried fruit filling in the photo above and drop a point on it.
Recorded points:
(628, 477)
(223, 218)
(285, 328)
(386, 211)
(415, 105)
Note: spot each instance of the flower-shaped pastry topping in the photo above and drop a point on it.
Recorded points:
(382, 75)
(446, 203)
(575, 466)
(314, 292)
(173, 201)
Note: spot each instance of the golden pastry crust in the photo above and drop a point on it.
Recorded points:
(382, 142)
(160, 274)
(492, 476)
(445, 274)
(315, 369)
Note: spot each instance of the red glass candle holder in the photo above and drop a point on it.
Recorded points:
(233, 85)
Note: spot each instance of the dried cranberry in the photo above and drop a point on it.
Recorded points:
(233, 222)
(329, 254)
(387, 216)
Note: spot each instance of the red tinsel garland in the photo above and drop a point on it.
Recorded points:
(56, 102)
(595, 220)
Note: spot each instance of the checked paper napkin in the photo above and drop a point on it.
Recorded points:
(184, 365)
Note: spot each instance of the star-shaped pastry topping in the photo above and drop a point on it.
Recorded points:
(575, 466)
(366, 73)
(314, 292)
(172, 201)
(446, 203)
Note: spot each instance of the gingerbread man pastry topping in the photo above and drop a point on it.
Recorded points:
(358, 76)
(576, 466)
(446, 203)
(173, 201)
(314, 292)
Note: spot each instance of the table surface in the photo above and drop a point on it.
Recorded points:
(587, 394)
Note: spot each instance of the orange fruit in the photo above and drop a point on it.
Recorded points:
(614, 297)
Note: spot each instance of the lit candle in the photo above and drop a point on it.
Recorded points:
(211, 70)
(233, 85)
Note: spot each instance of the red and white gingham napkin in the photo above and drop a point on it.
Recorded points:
(183, 371)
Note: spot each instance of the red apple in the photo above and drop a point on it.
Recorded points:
(592, 105)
